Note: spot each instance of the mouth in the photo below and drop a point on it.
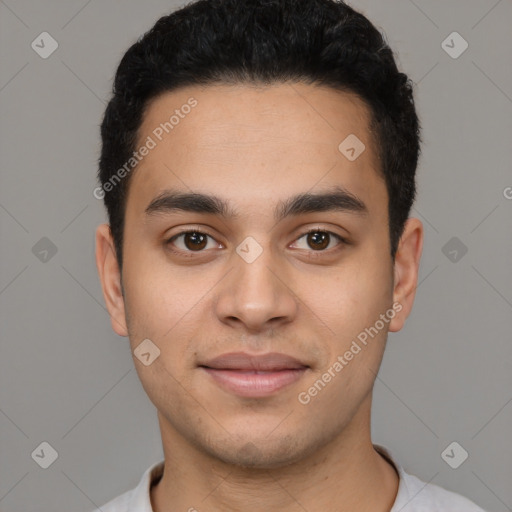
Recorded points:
(254, 376)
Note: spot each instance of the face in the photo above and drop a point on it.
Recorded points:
(248, 278)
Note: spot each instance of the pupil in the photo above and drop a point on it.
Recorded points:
(198, 238)
(317, 237)
(323, 236)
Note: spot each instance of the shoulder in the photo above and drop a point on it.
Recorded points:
(137, 499)
(419, 496)
(119, 504)
(415, 495)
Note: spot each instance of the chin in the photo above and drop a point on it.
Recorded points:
(260, 454)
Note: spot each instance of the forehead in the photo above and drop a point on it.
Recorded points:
(251, 143)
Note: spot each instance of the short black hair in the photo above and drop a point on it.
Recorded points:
(321, 42)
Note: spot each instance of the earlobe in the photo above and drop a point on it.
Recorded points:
(406, 270)
(110, 278)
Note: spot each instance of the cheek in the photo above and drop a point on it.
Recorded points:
(355, 296)
(151, 283)
(169, 321)
(352, 305)
(155, 303)
(167, 306)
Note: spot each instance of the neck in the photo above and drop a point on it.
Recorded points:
(345, 474)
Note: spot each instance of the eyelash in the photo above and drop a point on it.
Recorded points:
(189, 253)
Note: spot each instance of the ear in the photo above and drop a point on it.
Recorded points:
(407, 262)
(110, 277)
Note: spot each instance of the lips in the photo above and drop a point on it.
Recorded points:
(266, 362)
(254, 376)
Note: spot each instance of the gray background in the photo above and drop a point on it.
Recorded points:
(67, 379)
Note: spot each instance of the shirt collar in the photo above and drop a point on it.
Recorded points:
(140, 499)
(403, 495)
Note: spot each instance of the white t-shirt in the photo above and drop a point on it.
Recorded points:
(413, 494)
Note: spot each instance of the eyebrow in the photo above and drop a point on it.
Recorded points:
(334, 199)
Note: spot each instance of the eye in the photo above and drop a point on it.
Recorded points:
(192, 240)
(319, 240)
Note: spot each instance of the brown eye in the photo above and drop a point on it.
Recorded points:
(191, 241)
(318, 239)
(195, 241)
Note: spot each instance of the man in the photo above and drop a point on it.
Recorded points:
(258, 168)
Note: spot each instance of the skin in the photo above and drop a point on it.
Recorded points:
(256, 146)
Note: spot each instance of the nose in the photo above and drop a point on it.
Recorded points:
(256, 294)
